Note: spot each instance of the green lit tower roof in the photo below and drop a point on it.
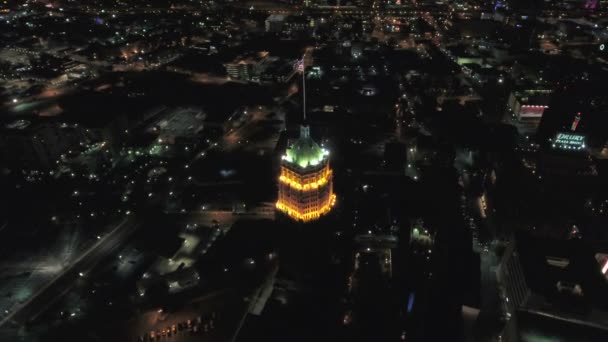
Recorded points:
(305, 152)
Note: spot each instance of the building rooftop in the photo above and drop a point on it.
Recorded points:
(277, 17)
(18, 124)
(534, 96)
(305, 152)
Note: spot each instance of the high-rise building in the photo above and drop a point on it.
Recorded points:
(527, 107)
(305, 184)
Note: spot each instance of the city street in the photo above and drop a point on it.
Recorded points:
(62, 283)
(224, 218)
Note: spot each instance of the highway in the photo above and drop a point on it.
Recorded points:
(63, 282)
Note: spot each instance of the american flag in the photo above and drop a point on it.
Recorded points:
(299, 65)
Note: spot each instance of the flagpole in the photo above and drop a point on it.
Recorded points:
(304, 88)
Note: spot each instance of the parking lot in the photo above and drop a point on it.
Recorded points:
(212, 317)
(176, 328)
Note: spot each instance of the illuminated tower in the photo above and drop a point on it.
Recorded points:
(576, 121)
(305, 184)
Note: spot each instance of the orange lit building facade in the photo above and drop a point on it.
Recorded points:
(305, 183)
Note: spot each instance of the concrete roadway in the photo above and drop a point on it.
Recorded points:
(64, 281)
(225, 219)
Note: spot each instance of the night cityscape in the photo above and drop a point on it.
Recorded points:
(303, 170)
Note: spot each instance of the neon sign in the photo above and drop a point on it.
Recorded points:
(569, 141)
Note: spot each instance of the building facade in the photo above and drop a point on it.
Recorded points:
(240, 70)
(305, 183)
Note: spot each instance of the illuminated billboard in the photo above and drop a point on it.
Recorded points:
(530, 111)
(569, 141)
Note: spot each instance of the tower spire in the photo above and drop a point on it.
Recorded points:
(304, 132)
